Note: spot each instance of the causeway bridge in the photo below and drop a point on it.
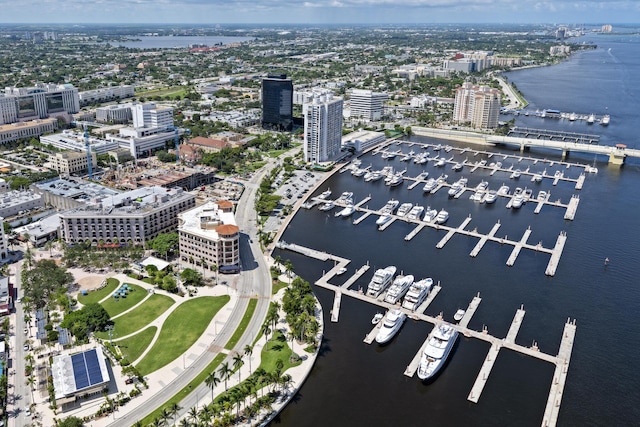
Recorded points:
(617, 154)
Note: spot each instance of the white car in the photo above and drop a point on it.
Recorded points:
(27, 411)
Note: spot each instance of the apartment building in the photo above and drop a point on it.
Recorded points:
(322, 128)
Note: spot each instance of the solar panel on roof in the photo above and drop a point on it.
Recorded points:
(86, 369)
(63, 336)
(79, 371)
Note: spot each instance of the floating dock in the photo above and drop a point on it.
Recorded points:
(572, 208)
(518, 247)
(555, 255)
(483, 240)
(453, 231)
(471, 310)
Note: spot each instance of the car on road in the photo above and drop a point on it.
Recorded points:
(27, 411)
(26, 347)
(26, 331)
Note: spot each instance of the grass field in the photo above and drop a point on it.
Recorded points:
(96, 296)
(167, 91)
(139, 317)
(181, 329)
(117, 306)
(131, 348)
(237, 334)
(276, 349)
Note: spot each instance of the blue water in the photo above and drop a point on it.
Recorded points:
(358, 384)
(160, 42)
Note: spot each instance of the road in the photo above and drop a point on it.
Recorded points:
(255, 280)
(19, 395)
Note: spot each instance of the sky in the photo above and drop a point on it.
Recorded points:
(320, 11)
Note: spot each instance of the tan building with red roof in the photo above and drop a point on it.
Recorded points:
(208, 145)
(209, 236)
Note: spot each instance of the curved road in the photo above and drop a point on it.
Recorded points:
(255, 280)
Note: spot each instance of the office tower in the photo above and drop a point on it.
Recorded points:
(367, 105)
(277, 102)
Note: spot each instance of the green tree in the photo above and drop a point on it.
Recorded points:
(91, 317)
(237, 364)
(191, 277)
(212, 381)
(71, 422)
(43, 281)
(164, 243)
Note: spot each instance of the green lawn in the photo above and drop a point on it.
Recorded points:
(96, 296)
(181, 329)
(131, 348)
(167, 91)
(277, 349)
(237, 334)
(139, 317)
(117, 306)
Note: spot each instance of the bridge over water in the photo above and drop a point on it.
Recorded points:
(617, 154)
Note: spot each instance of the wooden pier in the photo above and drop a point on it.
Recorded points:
(483, 240)
(432, 295)
(471, 310)
(518, 247)
(453, 231)
(555, 255)
(572, 208)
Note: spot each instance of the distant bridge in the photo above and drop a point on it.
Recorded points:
(617, 154)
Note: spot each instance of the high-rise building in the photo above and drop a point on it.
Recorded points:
(478, 105)
(322, 128)
(277, 102)
(38, 102)
(367, 105)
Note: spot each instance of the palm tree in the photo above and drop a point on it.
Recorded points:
(31, 381)
(266, 330)
(174, 408)
(225, 372)
(164, 416)
(288, 265)
(193, 414)
(248, 351)
(237, 364)
(212, 381)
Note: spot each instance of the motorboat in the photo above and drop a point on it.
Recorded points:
(346, 211)
(441, 162)
(396, 180)
(542, 195)
(457, 167)
(373, 176)
(527, 193)
(459, 315)
(341, 270)
(423, 175)
(458, 187)
(517, 201)
(417, 293)
(390, 206)
(536, 177)
(383, 219)
(442, 217)
(477, 196)
(491, 197)
(387, 170)
(404, 209)
(380, 281)
(437, 350)
(399, 287)
(377, 318)
(604, 121)
(430, 214)
(345, 196)
(327, 206)
(406, 157)
(430, 185)
(358, 172)
(442, 178)
(421, 158)
(503, 190)
(482, 186)
(415, 213)
(448, 148)
(558, 175)
(573, 117)
(389, 155)
(437, 147)
(482, 163)
(390, 326)
(515, 174)
(591, 119)
(324, 194)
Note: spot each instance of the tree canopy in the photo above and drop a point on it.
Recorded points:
(42, 282)
(71, 422)
(91, 317)
(164, 243)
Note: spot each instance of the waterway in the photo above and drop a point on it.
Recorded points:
(358, 384)
(170, 42)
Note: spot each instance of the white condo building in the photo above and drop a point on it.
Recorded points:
(209, 236)
(367, 105)
(322, 128)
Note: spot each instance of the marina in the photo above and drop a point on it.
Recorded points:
(561, 360)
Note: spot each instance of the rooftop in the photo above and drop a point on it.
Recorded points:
(208, 220)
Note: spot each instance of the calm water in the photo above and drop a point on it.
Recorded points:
(358, 384)
(160, 42)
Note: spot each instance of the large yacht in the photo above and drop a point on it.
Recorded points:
(430, 185)
(442, 217)
(345, 196)
(397, 179)
(437, 350)
(491, 197)
(404, 209)
(604, 121)
(327, 206)
(325, 194)
(503, 190)
(415, 213)
(457, 187)
(390, 207)
(417, 293)
(381, 280)
(399, 287)
(383, 219)
(373, 176)
(430, 214)
(390, 326)
(347, 211)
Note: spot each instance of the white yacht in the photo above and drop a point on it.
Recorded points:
(457, 167)
(324, 194)
(542, 195)
(346, 211)
(558, 174)
(399, 287)
(491, 197)
(442, 178)
(380, 281)
(396, 180)
(415, 213)
(459, 315)
(482, 186)
(437, 147)
(404, 209)
(417, 293)
(503, 190)
(345, 196)
(527, 193)
(518, 201)
(604, 121)
(458, 187)
(441, 162)
(390, 207)
(448, 148)
(515, 174)
(390, 326)
(442, 217)
(358, 172)
(591, 119)
(423, 175)
(430, 185)
(421, 158)
(536, 177)
(373, 176)
(385, 218)
(430, 214)
(327, 206)
(437, 350)
(389, 155)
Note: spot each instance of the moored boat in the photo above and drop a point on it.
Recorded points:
(430, 185)
(430, 214)
(437, 350)
(442, 217)
(404, 209)
(459, 315)
(381, 280)
(503, 190)
(415, 213)
(417, 293)
(515, 174)
(398, 288)
(391, 325)
(491, 197)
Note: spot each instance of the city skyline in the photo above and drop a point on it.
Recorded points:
(323, 12)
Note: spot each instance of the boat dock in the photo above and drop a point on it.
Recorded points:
(580, 182)
(555, 255)
(432, 295)
(413, 232)
(483, 240)
(518, 247)
(572, 207)
(388, 223)
(453, 231)
(561, 360)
